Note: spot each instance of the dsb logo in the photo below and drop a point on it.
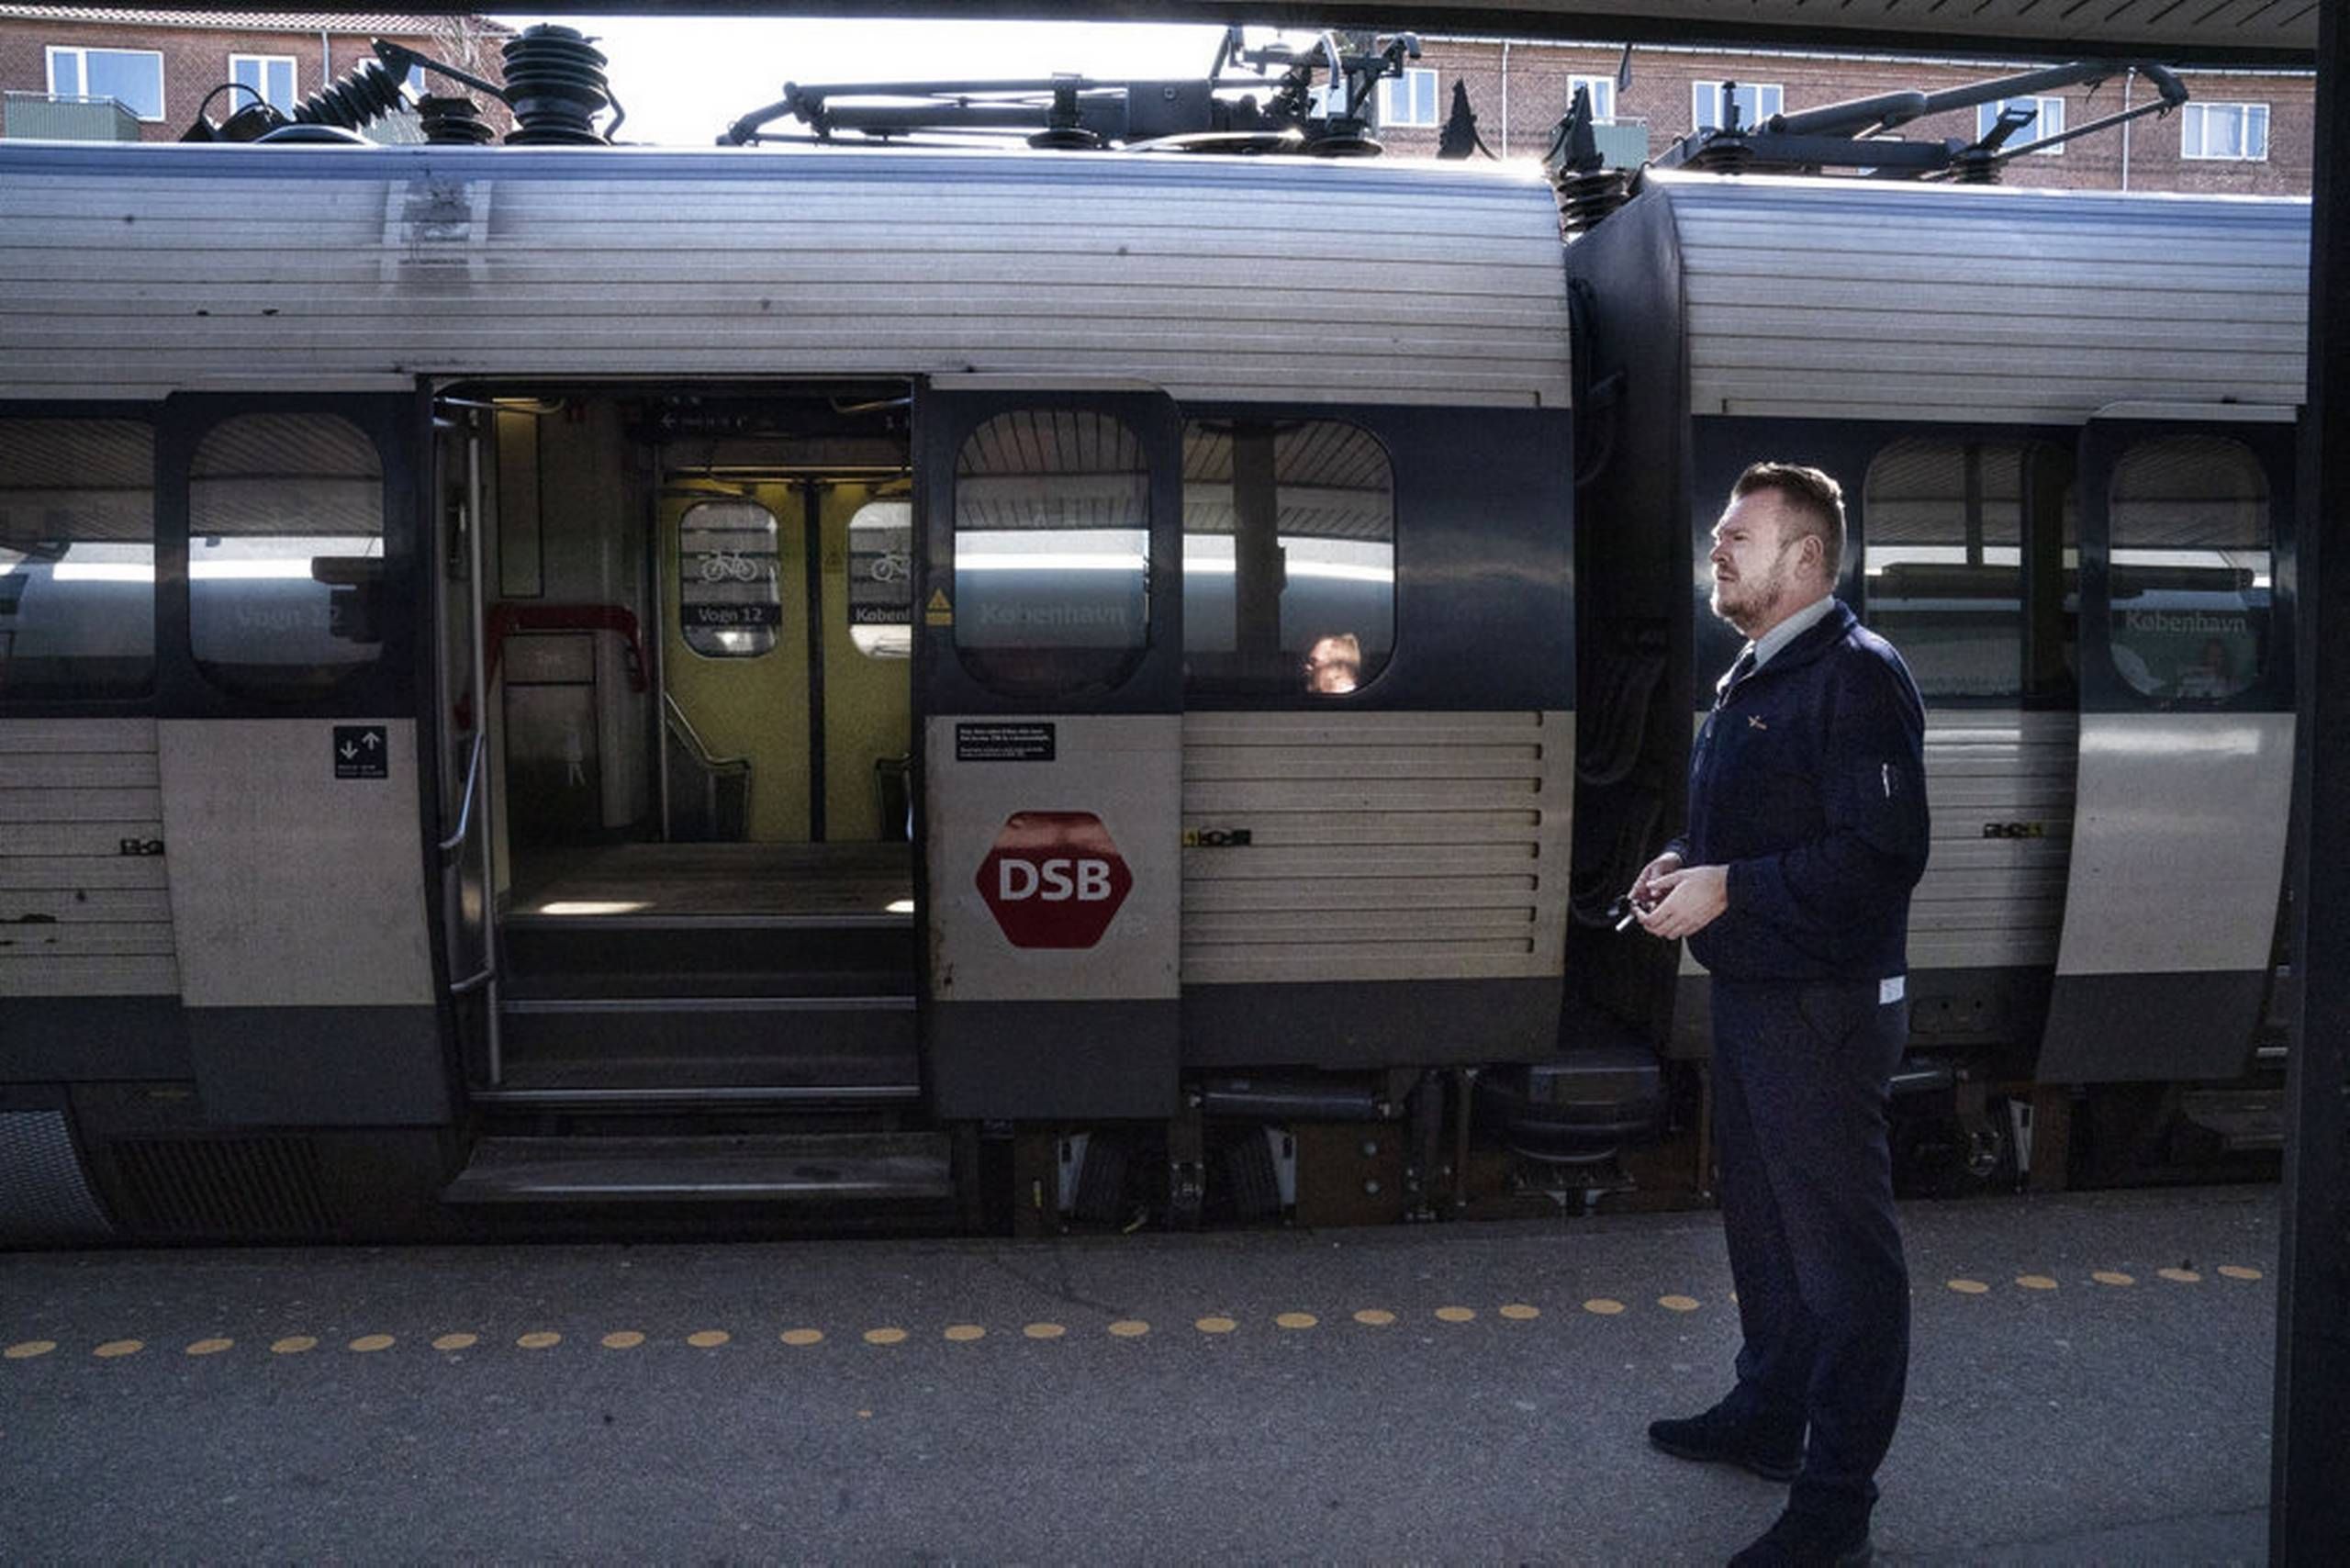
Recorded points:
(1054, 880)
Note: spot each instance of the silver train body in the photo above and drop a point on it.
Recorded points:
(544, 680)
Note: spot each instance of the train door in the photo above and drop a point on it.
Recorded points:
(2185, 759)
(286, 752)
(1049, 688)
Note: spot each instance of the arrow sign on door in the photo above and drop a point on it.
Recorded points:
(360, 751)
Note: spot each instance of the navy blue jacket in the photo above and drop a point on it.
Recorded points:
(1808, 783)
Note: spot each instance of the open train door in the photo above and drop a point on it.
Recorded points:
(1049, 695)
(2186, 743)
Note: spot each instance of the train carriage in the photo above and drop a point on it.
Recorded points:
(964, 687)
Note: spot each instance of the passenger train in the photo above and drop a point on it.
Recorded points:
(552, 687)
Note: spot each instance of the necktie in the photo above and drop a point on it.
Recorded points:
(1738, 672)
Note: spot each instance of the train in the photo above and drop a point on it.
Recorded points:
(546, 688)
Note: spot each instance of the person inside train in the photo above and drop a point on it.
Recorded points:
(1333, 664)
(1806, 831)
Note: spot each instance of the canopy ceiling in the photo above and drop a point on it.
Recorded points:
(2267, 32)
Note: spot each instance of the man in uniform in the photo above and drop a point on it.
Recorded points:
(1806, 831)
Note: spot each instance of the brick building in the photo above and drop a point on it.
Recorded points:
(60, 65)
(2243, 132)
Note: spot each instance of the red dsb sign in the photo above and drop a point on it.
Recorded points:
(1054, 880)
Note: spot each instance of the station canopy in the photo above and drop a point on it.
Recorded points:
(2177, 32)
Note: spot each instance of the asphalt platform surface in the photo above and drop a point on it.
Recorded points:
(2090, 1384)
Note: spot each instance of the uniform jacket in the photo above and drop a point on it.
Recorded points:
(1807, 782)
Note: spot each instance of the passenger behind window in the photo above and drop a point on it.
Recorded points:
(1333, 664)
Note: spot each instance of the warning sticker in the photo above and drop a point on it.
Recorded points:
(938, 611)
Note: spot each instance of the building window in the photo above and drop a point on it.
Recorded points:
(133, 77)
(1409, 99)
(77, 557)
(1603, 96)
(1289, 556)
(2224, 131)
(285, 552)
(2047, 119)
(271, 75)
(1757, 101)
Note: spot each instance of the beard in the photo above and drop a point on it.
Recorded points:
(1747, 603)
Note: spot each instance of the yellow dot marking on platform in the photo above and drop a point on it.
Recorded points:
(1215, 1325)
(293, 1345)
(26, 1350)
(1456, 1314)
(114, 1348)
(2181, 1276)
(803, 1335)
(209, 1346)
(1296, 1320)
(1129, 1329)
(626, 1339)
(2238, 1271)
(367, 1344)
(1045, 1330)
(885, 1336)
(1519, 1312)
(1603, 1306)
(1970, 1287)
(456, 1341)
(2035, 1281)
(865, 1414)
(964, 1333)
(1677, 1303)
(1374, 1317)
(539, 1339)
(708, 1338)
(2111, 1277)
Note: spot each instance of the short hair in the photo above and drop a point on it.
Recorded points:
(1813, 500)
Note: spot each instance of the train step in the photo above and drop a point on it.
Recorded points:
(859, 1050)
(806, 1170)
(2244, 1119)
(707, 955)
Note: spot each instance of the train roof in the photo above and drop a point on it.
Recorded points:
(1846, 298)
(135, 272)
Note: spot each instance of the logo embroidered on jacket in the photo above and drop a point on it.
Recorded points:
(1753, 723)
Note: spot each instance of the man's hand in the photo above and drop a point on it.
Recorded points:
(1689, 901)
(1645, 891)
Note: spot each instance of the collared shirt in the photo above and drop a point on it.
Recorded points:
(1788, 631)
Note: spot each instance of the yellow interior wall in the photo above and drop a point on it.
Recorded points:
(754, 707)
(868, 702)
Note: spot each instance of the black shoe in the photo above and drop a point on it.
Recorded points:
(1804, 1539)
(1716, 1438)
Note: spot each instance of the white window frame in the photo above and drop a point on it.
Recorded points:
(1705, 102)
(1603, 96)
(2048, 120)
(80, 55)
(293, 79)
(2194, 132)
(1393, 88)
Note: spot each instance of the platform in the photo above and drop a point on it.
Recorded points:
(2090, 1384)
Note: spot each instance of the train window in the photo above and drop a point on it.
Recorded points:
(1943, 564)
(285, 552)
(1052, 552)
(77, 557)
(1289, 556)
(728, 606)
(2190, 567)
(881, 579)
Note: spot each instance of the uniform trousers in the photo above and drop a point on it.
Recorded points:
(1801, 1071)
